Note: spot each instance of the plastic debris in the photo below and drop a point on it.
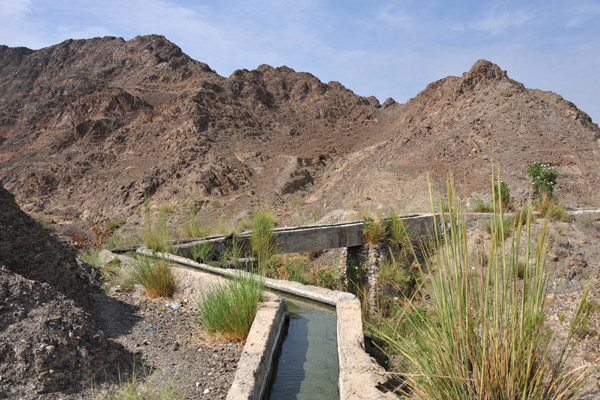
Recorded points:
(174, 305)
(229, 345)
(139, 291)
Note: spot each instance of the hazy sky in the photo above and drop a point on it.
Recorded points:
(382, 48)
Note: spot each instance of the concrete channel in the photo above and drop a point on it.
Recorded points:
(359, 374)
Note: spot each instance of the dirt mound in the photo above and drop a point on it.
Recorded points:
(49, 341)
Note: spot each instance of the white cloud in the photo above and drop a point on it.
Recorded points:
(498, 24)
(14, 8)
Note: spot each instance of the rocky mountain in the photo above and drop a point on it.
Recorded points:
(88, 126)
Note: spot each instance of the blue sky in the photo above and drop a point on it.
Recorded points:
(382, 48)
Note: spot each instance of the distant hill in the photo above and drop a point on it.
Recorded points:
(88, 126)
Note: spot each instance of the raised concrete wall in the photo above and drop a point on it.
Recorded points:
(317, 237)
(253, 373)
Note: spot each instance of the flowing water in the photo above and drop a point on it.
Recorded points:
(307, 367)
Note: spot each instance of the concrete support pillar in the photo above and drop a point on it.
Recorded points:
(374, 252)
(343, 268)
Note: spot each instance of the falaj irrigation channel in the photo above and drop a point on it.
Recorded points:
(310, 344)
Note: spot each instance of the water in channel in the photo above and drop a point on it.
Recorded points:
(307, 367)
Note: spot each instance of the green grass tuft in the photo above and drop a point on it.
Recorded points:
(229, 310)
(156, 234)
(155, 275)
(262, 240)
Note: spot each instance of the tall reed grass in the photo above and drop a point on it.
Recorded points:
(156, 234)
(262, 240)
(482, 335)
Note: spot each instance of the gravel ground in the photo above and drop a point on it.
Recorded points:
(170, 342)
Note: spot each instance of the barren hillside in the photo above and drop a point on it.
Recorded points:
(88, 126)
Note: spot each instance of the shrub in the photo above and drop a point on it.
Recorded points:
(502, 195)
(481, 207)
(155, 275)
(325, 277)
(499, 228)
(544, 178)
(293, 269)
(482, 338)
(262, 240)
(229, 310)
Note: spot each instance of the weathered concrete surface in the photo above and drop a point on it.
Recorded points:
(310, 292)
(254, 368)
(317, 237)
(359, 373)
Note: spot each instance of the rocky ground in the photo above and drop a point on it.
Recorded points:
(62, 336)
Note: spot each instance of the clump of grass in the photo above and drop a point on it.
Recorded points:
(192, 226)
(232, 252)
(262, 240)
(229, 310)
(550, 208)
(156, 234)
(115, 224)
(292, 269)
(326, 277)
(202, 252)
(397, 229)
(155, 275)
(374, 229)
(482, 207)
(116, 240)
(91, 257)
(395, 273)
(137, 389)
(483, 335)
(166, 209)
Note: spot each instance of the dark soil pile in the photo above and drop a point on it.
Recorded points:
(48, 340)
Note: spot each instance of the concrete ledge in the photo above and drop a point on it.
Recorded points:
(316, 293)
(359, 373)
(252, 376)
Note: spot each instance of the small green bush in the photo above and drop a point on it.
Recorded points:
(229, 310)
(262, 240)
(544, 178)
(155, 275)
(397, 229)
(502, 195)
(499, 228)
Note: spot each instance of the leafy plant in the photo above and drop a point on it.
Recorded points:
(262, 240)
(544, 178)
(155, 275)
(229, 310)
(502, 195)
(325, 277)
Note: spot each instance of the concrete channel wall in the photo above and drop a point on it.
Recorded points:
(359, 373)
(253, 373)
(316, 237)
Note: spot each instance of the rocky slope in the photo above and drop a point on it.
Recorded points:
(88, 126)
(49, 340)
